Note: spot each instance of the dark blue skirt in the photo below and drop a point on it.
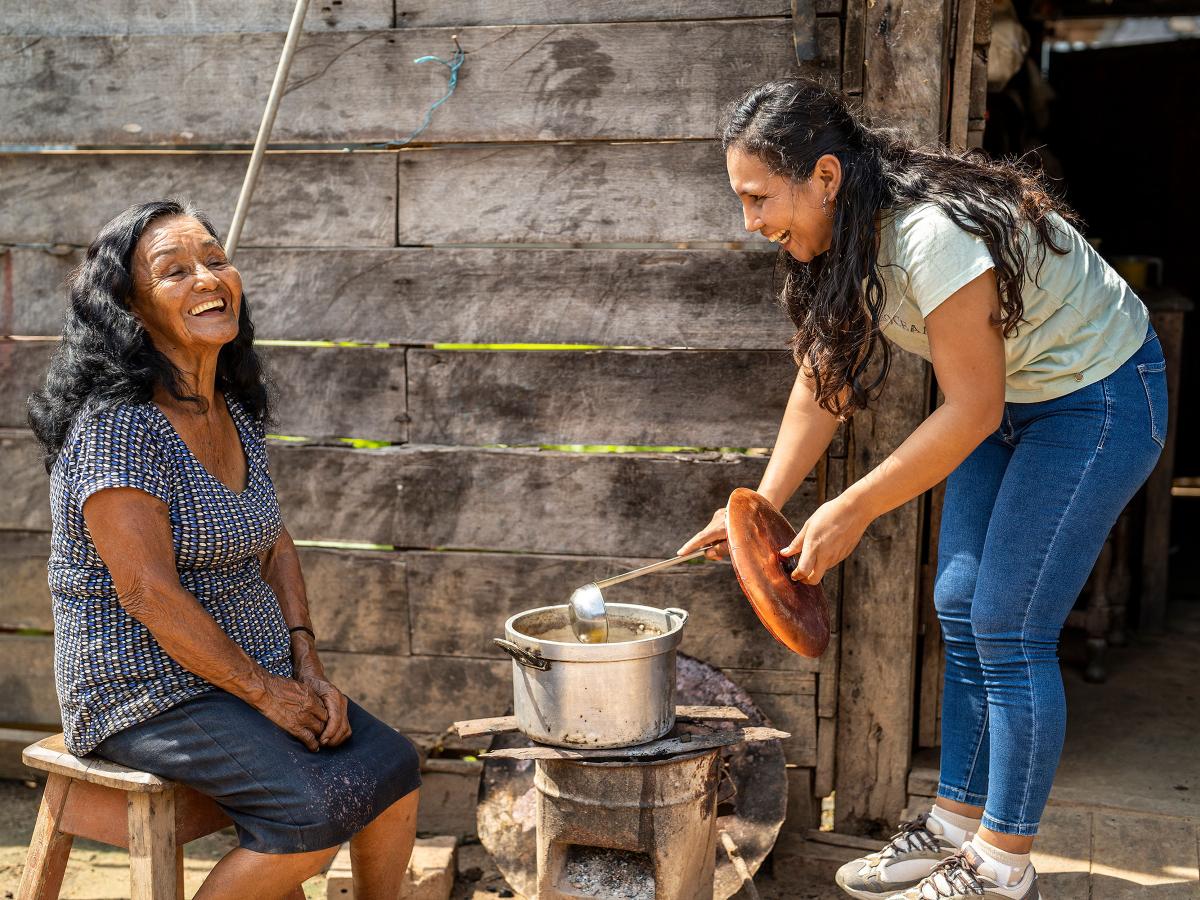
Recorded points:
(282, 797)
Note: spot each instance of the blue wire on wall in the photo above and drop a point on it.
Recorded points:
(454, 64)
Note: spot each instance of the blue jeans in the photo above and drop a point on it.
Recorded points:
(1024, 519)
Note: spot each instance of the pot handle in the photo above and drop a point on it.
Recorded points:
(524, 657)
(681, 614)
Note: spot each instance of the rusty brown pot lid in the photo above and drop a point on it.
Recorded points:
(793, 612)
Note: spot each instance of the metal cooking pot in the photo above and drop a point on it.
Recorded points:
(616, 694)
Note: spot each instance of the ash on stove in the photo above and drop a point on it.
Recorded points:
(615, 874)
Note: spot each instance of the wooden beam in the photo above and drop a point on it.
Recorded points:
(581, 193)
(607, 504)
(302, 198)
(661, 298)
(322, 391)
(459, 13)
(878, 623)
(520, 83)
(659, 398)
(120, 17)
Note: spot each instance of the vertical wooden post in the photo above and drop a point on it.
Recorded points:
(49, 847)
(152, 855)
(1166, 314)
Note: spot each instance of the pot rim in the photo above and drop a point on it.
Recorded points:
(655, 645)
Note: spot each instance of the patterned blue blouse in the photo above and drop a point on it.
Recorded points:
(111, 672)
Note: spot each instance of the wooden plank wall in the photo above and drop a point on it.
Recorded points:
(570, 192)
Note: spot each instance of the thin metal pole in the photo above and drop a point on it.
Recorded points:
(264, 130)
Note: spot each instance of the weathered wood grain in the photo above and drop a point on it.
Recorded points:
(878, 622)
(788, 700)
(854, 37)
(577, 193)
(408, 692)
(638, 505)
(460, 13)
(27, 692)
(358, 599)
(26, 505)
(661, 80)
(323, 391)
(903, 64)
(302, 198)
(596, 504)
(25, 598)
(660, 298)
(49, 17)
(355, 392)
(421, 693)
(458, 602)
(659, 398)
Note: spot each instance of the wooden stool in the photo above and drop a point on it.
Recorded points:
(149, 816)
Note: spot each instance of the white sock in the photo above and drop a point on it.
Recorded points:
(956, 828)
(1009, 867)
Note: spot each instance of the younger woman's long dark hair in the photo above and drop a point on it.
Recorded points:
(106, 358)
(836, 300)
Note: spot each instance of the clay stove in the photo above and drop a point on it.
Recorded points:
(659, 815)
(638, 823)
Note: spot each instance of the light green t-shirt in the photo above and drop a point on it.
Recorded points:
(1082, 321)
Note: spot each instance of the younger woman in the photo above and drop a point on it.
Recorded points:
(1055, 413)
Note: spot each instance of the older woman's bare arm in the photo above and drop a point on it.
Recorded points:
(281, 570)
(132, 533)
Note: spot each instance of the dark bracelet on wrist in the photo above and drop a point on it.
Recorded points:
(303, 628)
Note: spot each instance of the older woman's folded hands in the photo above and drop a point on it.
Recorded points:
(337, 725)
(296, 708)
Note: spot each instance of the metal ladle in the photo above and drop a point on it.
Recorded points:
(585, 610)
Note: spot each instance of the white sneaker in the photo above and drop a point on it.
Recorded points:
(909, 856)
(969, 876)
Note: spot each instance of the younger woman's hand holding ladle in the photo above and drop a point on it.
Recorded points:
(712, 533)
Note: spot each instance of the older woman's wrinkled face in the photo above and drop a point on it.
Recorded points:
(185, 291)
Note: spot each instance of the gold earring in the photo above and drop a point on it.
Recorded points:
(825, 207)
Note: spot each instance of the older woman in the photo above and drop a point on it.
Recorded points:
(183, 644)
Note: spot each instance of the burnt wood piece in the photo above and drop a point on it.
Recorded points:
(716, 299)
(722, 630)
(520, 83)
(660, 749)
(459, 13)
(794, 612)
(323, 391)
(507, 724)
(302, 198)
(114, 17)
(658, 398)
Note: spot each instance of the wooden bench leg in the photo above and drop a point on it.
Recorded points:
(152, 852)
(49, 847)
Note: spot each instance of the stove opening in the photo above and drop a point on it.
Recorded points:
(603, 872)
